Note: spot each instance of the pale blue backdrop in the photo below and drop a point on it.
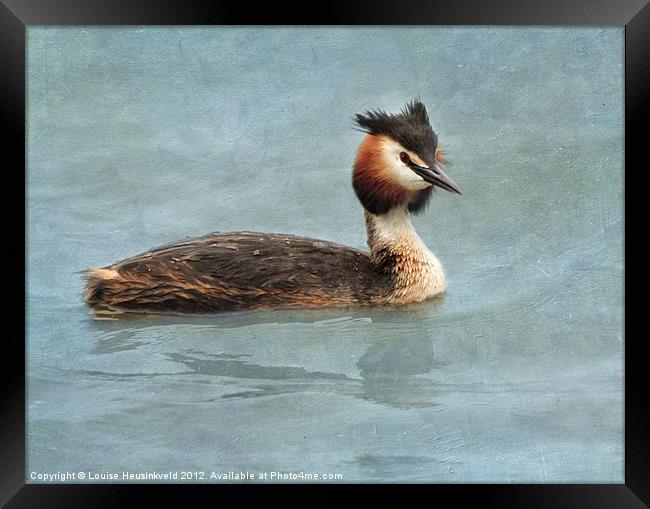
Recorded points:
(142, 136)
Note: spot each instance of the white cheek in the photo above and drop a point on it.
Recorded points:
(412, 181)
(407, 178)
(401, 174)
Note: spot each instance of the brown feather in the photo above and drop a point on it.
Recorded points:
(239, 270)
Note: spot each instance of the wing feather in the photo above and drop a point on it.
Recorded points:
(243, 269)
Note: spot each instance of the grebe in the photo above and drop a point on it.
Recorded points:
(396, 168)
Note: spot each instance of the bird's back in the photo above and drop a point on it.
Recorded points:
(220, 272)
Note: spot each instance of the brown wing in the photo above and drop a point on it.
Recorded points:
(239, 270)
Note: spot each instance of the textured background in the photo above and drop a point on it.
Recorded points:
(141, 136)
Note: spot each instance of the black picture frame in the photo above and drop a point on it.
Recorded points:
(17, 15)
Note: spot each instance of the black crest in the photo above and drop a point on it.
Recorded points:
(410, 128)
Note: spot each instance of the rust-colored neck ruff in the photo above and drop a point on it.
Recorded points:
(396, 248)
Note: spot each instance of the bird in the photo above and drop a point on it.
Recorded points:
(397, 167)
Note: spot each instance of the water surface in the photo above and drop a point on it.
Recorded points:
(142, 136)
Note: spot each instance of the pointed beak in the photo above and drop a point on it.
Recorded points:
(436, 176)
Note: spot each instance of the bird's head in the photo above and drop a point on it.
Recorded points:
(399, 161)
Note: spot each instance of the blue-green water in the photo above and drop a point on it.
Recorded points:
(142, 136)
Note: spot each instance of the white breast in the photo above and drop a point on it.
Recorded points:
(419, 272)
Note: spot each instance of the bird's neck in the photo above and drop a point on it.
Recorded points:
(396, 248)
(393, 232)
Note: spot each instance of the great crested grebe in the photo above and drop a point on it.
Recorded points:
(396, 168)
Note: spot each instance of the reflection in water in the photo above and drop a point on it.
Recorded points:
(279, 379)
(235, 319)
(389, 369)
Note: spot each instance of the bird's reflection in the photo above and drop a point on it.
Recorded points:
(392, 369)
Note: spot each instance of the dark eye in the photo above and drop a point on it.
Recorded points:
(404, 157)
